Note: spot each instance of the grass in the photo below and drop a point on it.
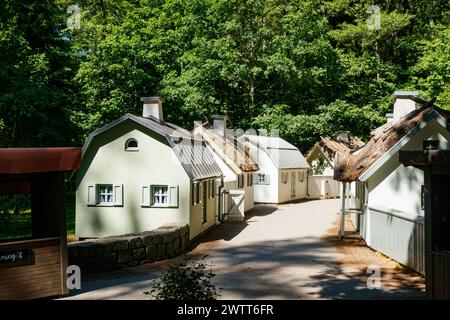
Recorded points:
(20, 225)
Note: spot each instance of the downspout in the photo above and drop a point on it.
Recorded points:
(342, 216)
(307, 184)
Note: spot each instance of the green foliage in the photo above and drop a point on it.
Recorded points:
(15, 217)
(307, 68)
(185, 281)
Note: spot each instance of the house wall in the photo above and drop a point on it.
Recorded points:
(197, 226)
(284, 189)
(265, 193)
(106, 162)
(323, 186)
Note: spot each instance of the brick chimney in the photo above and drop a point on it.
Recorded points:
(152, 108)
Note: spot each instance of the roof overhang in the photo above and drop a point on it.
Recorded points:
(36, 160)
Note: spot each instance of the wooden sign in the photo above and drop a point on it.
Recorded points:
(16, 257)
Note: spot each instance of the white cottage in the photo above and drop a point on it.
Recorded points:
(234, 161)
(138, 173)
(282, 174)
(387, 203)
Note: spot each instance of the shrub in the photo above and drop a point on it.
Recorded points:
(185, 281)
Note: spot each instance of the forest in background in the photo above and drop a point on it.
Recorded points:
(308, 68)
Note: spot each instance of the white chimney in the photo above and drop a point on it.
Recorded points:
(220, 124)
(153, 108)
(403, 104)
(342, 136)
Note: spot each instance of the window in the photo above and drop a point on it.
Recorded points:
(240, 181)
(261, 178)
(105, 194)
(160, 195)
(284, 177)
(301, 176)
(211, 188)
(196, 193)
(131, 145)
(249, 180)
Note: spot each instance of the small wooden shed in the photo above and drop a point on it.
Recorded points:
(35, 267)
(436, 202)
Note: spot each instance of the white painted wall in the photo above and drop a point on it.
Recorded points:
(323, 186)
(397, 188)
(265, 193)
(284, 189)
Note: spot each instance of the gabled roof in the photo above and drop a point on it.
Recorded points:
(330, 148)
(385, 142)
(228, 149)
(195, 158)
(283, 154)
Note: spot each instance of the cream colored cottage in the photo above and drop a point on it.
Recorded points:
(235, 162)
(138, 173)
(282, 174)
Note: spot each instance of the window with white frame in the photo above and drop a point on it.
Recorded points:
(105, 194)
(131, 145)
(160, 195)
(211, 188)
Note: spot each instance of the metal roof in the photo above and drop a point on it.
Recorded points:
(283, 154)
(192, 153)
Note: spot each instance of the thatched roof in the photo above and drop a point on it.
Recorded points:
(350, 166)
(332, 147)
(228, 148)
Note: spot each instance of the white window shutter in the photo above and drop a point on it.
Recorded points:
(173, 196)
(91, 195)
(255, 178)
(267, 178)
(118, 195)
(145, 196)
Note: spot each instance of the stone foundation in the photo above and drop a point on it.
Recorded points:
(117, 252)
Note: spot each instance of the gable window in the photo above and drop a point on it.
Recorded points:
(261, 178)
(131, 145)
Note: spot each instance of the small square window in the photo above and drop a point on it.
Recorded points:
(160, 195)
(105, 194)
